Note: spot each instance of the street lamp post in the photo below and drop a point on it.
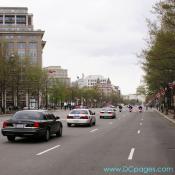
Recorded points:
(174, 98)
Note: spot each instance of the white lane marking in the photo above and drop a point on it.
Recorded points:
(94, 130)
(138, 131)
(142, 119)
(131, 154)
(110, 123)
(48, 150)
(140, 124)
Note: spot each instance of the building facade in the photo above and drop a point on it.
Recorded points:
(16, 28)
(58, 73)
(22, 40)
(104, 84)
(91, 81)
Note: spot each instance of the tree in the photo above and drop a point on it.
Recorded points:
(159, 57)
(141, 90)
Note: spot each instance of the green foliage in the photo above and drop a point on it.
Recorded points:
(159, 57)
(141, 90)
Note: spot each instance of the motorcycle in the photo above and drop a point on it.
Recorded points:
(140, 110)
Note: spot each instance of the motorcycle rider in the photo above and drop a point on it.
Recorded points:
(120, 108)
(130, 108)
(140, 108)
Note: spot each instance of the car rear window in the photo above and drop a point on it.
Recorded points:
(28, 115)
(107, 109)
(79, 112)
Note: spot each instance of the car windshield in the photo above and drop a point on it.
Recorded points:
(28, 115)
(79, 112)
(108, 109)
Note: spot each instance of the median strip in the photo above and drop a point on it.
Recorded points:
(47, 150)
(131, 154)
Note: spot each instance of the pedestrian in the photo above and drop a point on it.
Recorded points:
(65, 105)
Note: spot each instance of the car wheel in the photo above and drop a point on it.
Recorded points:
(11, 138)
(59, 133)
(47, 135)
(68, 124)
(90, 124)
(100, 117)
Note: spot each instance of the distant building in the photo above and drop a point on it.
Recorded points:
(91, 81)
(103, 84)
(57, 73)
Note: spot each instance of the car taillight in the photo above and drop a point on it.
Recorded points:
(84, 117)
(5, 124)
(36, 125)
(110, 112)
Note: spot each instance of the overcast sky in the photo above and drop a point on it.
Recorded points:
(93, 36)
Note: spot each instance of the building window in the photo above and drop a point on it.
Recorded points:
(20, 37)
(1, 19)
(20, 19)
(21, 49)
(9, 19)
(33, 45)
(21, 53)
(21, 45)
(10, 49)
(10, 45)
(9, 37)
(33, 52)
(29, 20)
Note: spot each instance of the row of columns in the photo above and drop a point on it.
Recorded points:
(16, 20)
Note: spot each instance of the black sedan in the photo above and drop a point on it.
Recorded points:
(32, 123)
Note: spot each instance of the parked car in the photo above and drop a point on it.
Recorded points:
(107, 113)
(81, 117)
(32, 123)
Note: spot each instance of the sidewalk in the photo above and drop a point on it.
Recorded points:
(168, 117)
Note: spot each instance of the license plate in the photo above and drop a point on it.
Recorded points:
(76, 116)
(19, 125)
(76, 121)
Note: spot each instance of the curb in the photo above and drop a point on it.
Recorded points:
(171, 120)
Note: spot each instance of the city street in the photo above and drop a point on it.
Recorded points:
(132, 139)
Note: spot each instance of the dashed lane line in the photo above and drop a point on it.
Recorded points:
(94, 130)
(131, 154)
(48, 150)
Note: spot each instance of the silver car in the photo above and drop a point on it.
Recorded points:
(81, 117)
(107, 113)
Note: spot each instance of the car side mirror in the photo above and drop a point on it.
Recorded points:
(57, 118)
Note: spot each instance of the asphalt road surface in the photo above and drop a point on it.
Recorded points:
(131, 140)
